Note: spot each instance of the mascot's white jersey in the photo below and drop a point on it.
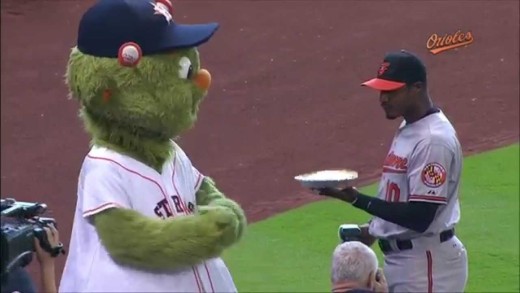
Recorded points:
(109, 179)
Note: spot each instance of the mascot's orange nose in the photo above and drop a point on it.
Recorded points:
(203, 79)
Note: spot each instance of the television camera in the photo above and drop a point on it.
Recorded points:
(21, 224)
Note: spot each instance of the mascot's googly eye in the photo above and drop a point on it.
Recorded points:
(129, 54)
(186, 70)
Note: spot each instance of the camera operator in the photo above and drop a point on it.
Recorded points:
(19, 280)
(355, 269)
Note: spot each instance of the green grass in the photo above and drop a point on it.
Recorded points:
(291, 252)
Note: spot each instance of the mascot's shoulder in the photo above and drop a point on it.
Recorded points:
(180, 155)
(105, 153)
(100, 157)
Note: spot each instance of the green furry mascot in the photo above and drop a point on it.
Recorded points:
(146, 219)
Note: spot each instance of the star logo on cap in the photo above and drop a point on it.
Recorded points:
(164, 8)
(383, 68)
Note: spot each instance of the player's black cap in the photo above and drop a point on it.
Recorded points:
(109, 24)
(397, 70)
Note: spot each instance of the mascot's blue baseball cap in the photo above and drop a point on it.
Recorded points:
(397, 70)
(110, 24)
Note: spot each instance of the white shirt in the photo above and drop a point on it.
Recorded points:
(109, 179)
(424, 164)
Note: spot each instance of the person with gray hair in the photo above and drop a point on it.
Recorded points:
(355, 269)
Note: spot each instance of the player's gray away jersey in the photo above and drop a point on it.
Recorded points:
(424, 164)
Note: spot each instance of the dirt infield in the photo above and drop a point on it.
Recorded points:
(285, 99)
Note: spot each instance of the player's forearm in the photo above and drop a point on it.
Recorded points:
(412, 215)
(156, 244)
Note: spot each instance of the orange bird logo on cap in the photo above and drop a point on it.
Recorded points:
(383, 68)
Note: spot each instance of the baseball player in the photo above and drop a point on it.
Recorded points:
(417, 205)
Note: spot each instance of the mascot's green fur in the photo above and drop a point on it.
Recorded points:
(137, 111)
(144, 111)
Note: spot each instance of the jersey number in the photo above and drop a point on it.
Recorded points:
(392, 192)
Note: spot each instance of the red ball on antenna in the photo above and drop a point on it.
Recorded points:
(129, 54)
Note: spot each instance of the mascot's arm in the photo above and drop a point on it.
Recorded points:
(136, 240)
(208, 194)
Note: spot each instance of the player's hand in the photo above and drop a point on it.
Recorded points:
(365, 236)
(380, 285)
(44, 257)
(348, 194)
